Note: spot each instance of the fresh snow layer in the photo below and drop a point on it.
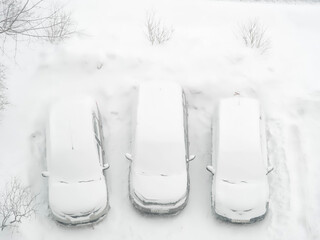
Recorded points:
(77, 198)
(71, 148)
(240, 187)
(206, 55)
(160, 189)
(76, 185)
(159, 168)
(159, 141)
(239, 146)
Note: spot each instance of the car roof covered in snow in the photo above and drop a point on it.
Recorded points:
(159, 134)
(240, 155)
(71, 147)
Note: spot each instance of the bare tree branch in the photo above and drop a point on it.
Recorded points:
(27, 19)
(16, 203)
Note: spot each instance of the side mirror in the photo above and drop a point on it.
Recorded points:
(211, 170)
(191, 157)
(105, 166)
(45, 174)
(128, 156)
(270, 169)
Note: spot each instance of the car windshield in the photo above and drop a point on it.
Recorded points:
(240, 167)
(74, 169)
(160, 159)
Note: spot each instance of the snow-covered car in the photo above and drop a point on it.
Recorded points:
(159, 178)
(240, 189)
(75, 157)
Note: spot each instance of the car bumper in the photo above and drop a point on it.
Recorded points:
(81, 220)
(243, 219)
(157, 208)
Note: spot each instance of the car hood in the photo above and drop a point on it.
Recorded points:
(241, 195)
(77, 198)
(159, 189)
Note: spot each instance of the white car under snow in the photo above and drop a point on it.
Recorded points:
(75, 162)
(159, 178)
(240, 189)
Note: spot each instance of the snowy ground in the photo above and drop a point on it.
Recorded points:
(208, 58)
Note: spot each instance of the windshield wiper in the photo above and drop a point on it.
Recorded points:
(86, 181)
(233, 182)
(228, 181)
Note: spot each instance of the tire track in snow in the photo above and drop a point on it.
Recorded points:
(310, 136)
(304, 135)
(299, 187)
(279, 181)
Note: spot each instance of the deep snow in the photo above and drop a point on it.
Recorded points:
(207, 57)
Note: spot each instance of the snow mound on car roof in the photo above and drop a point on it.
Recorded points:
(159, 139)
(70, 139)
(240, 149)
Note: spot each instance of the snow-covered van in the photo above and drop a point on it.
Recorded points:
(240, 189)
(75, 162)
(159, 178)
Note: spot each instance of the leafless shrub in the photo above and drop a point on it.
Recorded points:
(16, 203)
(3, 98)
(29, 19)
(254, 36)
(157, 32)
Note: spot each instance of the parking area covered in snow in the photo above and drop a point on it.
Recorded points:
(206, 54)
